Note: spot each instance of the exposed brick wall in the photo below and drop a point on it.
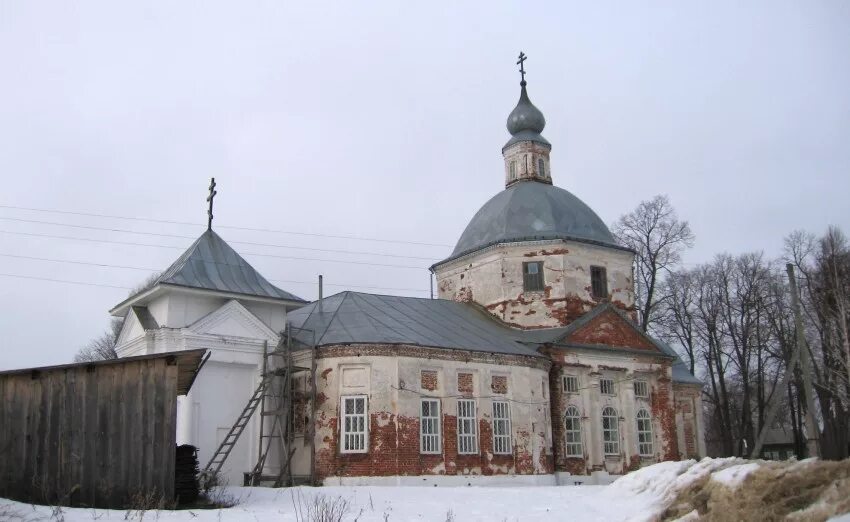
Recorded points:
(394, 450)
(609, 329)
(664, 414)
(499, 384)
(429, 380)
(464, 383)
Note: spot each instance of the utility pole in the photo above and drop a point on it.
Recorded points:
(799, 354)
(812, 429)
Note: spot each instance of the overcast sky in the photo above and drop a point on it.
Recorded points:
(387, 121)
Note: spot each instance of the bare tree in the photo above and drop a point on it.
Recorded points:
(102, 347)
(658, 238)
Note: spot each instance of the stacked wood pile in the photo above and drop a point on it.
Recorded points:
(186, 474)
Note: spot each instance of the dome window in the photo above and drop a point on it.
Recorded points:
(513, 170)
(532, 276)
(599, 282)
(541, 170)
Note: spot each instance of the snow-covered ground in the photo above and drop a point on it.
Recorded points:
(639, 496)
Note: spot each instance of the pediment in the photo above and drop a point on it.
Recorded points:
(606, 326)
(233, 320)
(131, 329)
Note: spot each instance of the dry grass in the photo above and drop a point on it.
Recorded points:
(810, 490)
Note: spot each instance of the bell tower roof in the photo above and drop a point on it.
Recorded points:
(525, 122)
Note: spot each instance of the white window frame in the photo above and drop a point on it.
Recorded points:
(430, 432)
(611, 390)
(641, 389)
(644, 433)
(610, 431)
(359, 437)
(502, 443)
(467, 427)
(572, 433)
(574, 380)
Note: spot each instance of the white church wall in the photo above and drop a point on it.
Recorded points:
(217, 398)
(494, 279)
(272, 315)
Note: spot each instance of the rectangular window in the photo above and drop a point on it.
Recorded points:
(467, 432)
(606, 387)
(599, 282)
(641, 389)
(571, 384)
(429, 426)
(353, 434)
(501, 428)
(532, 276)
(513, 170)
(540, 168)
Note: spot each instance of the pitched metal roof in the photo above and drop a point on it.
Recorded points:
(532, 211)
(211, 264)
(359, 318)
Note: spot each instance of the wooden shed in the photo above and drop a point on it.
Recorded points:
(99, 434)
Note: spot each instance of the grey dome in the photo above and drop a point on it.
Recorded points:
(533, 211)
(525, 116)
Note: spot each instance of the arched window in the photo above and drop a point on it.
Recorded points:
(644, 430)
(572, 432)
(610, 431)
(541, 170)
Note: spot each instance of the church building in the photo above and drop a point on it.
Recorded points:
(528, 367)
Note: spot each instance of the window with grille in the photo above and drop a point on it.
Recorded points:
(540, 168)
(644, 431)
(429, 426)
(467, 432)
(599, 282)
(532, 276)
(571, 384)
(610, 431)
(641, 389)
(501, 428)
(354, 430)
(572, 432)
(606, 387)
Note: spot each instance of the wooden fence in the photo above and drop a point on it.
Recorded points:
(93, 434)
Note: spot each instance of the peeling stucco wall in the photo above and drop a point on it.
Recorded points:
(493, 278)
(392, 379)
(623, 369)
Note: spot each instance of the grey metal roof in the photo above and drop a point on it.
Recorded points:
(358, 318)
(532, 211)
(525, 122)
(210, 263)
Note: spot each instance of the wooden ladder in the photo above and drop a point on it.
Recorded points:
(217, 461)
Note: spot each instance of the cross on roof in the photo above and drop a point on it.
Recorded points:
(210, 200)
(521, 63)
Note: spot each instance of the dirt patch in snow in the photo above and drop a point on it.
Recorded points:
(808, 490)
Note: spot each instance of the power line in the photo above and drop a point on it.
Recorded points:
(130, 243)
(18, 276)
(105, 265)
(159, 234)
(268, 230)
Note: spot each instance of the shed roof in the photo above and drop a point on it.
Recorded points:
(359, 318)
(188, 362)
